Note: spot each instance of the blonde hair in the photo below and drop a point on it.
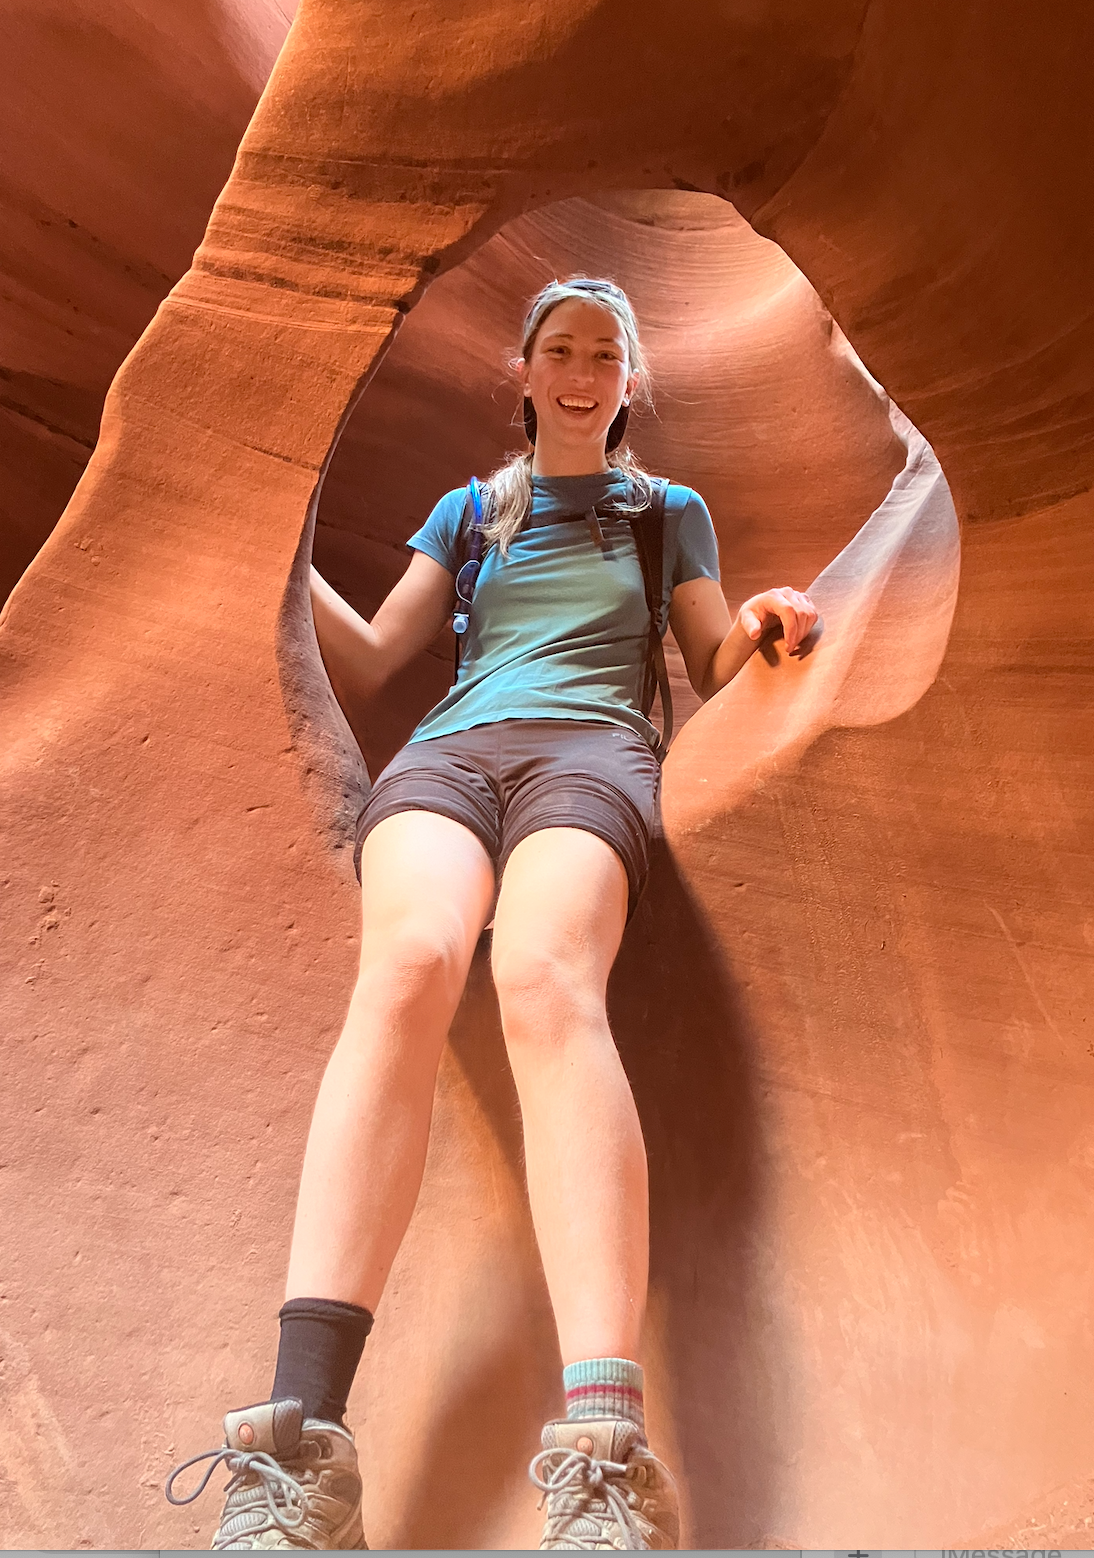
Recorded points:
(511, 484)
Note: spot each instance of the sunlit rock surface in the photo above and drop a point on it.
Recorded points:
(854, 1001)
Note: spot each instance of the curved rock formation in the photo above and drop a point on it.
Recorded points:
(737, 341)
(853, 1002)
(119, 124)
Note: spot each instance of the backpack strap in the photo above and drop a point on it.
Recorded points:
(648, 529)
(649, 538)
(470, 543)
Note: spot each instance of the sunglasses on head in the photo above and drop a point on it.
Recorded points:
(585, 285)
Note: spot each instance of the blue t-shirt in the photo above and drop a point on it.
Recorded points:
(559, 627)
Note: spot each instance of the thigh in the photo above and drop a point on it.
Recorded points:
(602, 779)
(561, 910)
(427, 884)
(449, 776)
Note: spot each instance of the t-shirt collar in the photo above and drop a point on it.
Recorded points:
(555, 497)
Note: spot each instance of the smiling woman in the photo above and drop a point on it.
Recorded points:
(527, 795)
(582, 358)
(581, 364)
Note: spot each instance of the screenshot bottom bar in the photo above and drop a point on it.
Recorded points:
(842, 1552)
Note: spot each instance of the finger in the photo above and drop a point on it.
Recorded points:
(789, 619)
(750, 621)
(784, 604)
(807, 616)
(789, 616)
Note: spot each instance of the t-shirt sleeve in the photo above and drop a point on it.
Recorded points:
(437, 537)
(696, 555)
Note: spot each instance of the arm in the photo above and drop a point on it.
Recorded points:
(360, 656)
(714, 647)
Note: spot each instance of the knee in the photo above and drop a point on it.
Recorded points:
(544, 994)
(410, 960)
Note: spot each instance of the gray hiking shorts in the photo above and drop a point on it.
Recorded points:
(518, 776)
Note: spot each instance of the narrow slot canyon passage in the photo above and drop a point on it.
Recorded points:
(761, 406)
(854, 1003)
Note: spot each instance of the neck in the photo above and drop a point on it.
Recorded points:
(550, 460)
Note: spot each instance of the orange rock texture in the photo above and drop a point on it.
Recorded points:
(854, 1003)
(119, 123)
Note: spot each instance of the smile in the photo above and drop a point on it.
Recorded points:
(577, 403)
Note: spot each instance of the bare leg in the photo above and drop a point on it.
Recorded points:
(560, 917)
(427, 887)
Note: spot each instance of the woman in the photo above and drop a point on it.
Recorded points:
(526, 796)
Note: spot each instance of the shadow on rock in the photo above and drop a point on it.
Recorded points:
(488, 1415)
(684, 1042)
(688, 1050)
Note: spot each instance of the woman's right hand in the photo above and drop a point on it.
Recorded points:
(361, 656)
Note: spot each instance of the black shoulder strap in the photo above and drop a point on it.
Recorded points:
(463, 534)
(649, 536)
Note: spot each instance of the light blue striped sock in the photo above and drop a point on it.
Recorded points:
(604, 1387)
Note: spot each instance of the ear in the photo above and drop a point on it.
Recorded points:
(632, 385)
(519, 369)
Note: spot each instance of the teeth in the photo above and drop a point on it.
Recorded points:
(575, 403)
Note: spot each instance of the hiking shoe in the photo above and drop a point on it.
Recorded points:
(604, 1488)
(294, 1481)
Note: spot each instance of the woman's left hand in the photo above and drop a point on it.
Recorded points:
(794, 610)
(714, 647)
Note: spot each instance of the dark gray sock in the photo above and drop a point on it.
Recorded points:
(321, 1344)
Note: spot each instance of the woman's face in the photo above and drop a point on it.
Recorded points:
(577, 375)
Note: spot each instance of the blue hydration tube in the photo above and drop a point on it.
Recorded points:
(469, 573)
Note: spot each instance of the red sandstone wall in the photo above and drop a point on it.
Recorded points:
(119, 122)
(854, 1004)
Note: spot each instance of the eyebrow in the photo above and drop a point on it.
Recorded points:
(567, 335)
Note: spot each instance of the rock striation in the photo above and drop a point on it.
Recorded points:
(119, 126)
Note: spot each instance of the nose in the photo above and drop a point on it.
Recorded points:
(581, 372)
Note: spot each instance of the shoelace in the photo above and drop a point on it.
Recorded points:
(288, 1515)
(577, 1472)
